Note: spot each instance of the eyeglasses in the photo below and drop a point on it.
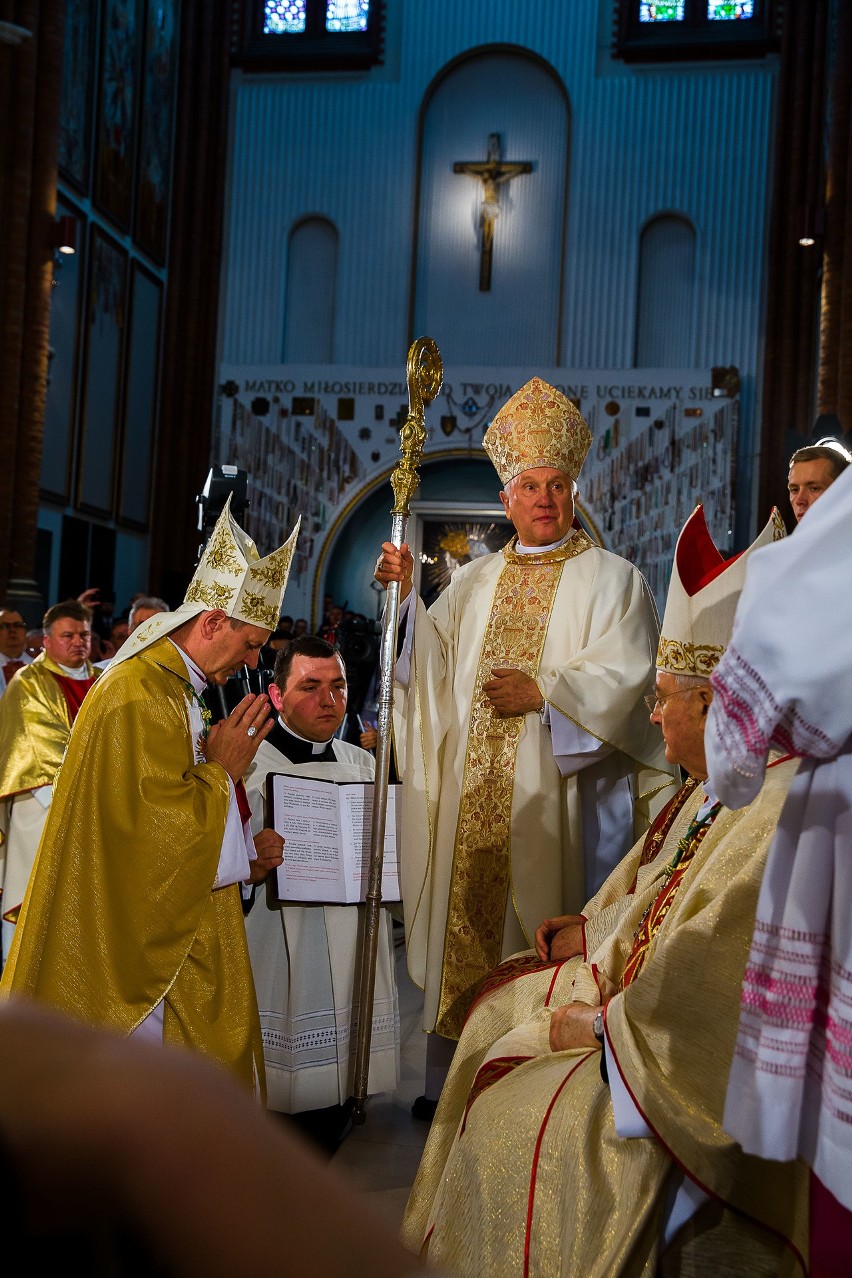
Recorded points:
(654, 701)
(12, 625)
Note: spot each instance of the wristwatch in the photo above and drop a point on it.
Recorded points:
(598, 1027)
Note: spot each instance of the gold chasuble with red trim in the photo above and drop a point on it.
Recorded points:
(524, 1171)
(120, 914)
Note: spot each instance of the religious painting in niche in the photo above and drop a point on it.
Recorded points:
(446, 536)
(105, 321)
(75, 114)
(64, 349)
(140, 413)
(157, 126)
(116, 109)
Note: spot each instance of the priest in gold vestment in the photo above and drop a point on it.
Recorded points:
(527, 759)
(36, 714)
(539, 1166)
(133, 917)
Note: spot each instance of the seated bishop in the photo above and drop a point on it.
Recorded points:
(609, 1089)
(305, 958)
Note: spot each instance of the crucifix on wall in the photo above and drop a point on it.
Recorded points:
(492, 173)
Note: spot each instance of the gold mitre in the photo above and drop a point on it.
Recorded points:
(538, 426)
(230, 575)
(703, 594)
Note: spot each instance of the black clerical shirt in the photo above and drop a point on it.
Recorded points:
(297, 750)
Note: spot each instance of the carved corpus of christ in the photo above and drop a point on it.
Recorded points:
(492, 173)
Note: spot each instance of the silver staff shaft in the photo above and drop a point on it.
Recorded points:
(424, 372)
(390, 626)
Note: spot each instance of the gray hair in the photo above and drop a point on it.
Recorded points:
(686, 680)
(150, 603)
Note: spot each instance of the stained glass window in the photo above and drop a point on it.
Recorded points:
(662, 12)
(347, 15)
(674, 30)
(283, 17)
(311, 35)
(716, 10)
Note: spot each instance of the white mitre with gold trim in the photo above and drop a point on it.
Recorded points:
(703, 594)
(230, 576)
(538, 426)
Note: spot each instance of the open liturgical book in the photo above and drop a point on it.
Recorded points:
(326, 829)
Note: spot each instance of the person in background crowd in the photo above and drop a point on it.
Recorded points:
(280, 637)
(101, 651)
(812, 471)
(300, 627)
(13, 641)
(143, 608)
(36, 715)
(118, 634)
(101, 603)
(330, 631)
(35, 642)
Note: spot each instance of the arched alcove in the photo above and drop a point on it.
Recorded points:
(311, 292)
(517, 96)
(356, 547)
(665, 309)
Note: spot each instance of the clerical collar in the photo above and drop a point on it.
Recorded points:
(317, 747)
(710, 797)
(75, 672)
(542, 550)
(575, 543)
(196, 676)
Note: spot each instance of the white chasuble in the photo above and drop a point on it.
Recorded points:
(306, 960)
(492, 832)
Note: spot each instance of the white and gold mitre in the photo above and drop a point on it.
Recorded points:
(538, 426)
(230, 576)
(703, 594)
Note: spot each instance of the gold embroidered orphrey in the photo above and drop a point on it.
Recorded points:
(514, 638)
(688, 658)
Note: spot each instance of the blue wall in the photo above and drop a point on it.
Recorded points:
(692, 139)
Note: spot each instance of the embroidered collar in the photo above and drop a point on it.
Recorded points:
(574, 544)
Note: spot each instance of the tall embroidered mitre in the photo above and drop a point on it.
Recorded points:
(230, 576)
(703, 595)
(538, 426)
